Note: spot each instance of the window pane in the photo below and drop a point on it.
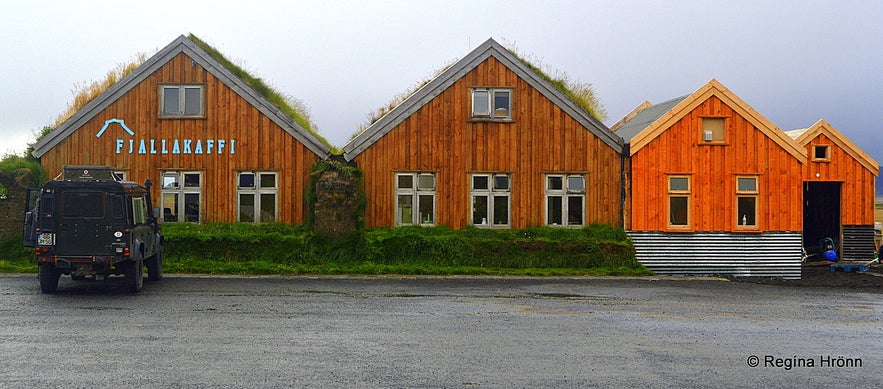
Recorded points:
(139, 210)
(191, 180)
(82, 204)
(426, 182)
(554, 183)
(246, 207)
(501, 103)
(192, 101)
(576, 184)
(170, 207)
(479, 183)
(405, 181)
(501, 210)
(574, 210)
(480, 103)
(117, 207)
(427, 214)
(681, 184)
(405, 209)
(501, 182)
(820, 152)
(170, 180)
(748, 184)
(246, 180)
(747, 211)
(191, 207)
(715, 127)
(554, 210)
(268, 207)
(268, 180)
(677, 210)
(479, 210)
(170, 101)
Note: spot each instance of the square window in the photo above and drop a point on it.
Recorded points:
(246, 180)
(191, 180)
(714, 130)
(268, 180)
(480, 183)
(576, 184)
(425, 182)
(554, 183)
(501, 182)
(405, 181)
(821, 153)
(177, 101)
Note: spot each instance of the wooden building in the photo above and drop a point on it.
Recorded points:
(839, 182)
(490, 143)
(713, 187)
(215, 148)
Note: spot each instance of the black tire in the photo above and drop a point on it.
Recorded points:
(49, 277)
(135, 275)
(154, 266)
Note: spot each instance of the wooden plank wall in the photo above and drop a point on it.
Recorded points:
(260, 144)
(857, 191)
(441, 138)
(713, 169)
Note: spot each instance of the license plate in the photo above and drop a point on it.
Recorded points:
(46, 239)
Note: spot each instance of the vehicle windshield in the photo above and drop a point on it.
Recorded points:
(82, 204)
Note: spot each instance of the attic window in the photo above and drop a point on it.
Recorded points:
(182, 101)
(713, 130)
(491, 103)
(821, 153)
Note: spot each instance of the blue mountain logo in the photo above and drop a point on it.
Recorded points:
(107, 124)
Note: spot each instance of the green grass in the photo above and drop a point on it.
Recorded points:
(275, 249)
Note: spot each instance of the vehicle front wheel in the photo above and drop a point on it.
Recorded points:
(49, 277)
(135, 275)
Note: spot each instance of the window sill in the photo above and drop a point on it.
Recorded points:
(490, 120)
(167, 117)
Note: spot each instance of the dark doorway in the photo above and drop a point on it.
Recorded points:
(821, 215)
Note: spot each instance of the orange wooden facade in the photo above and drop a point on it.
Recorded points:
(260, 144)
(847, 164)
(677, 150)
(540, 139)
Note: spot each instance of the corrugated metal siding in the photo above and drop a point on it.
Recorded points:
(858, 243)
(769, 254)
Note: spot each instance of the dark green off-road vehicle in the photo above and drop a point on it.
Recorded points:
(93, 226)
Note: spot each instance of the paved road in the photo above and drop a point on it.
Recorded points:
(437, 332)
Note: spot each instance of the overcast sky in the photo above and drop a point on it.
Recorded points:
(793, 61)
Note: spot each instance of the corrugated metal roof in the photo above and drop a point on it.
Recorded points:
(645, 117)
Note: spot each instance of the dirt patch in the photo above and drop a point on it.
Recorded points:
(822, 276)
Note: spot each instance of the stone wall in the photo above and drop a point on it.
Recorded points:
(336, 212)
(12, 207)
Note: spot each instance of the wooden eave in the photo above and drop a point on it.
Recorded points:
(715, 88)
(200, 57)
(822, 127)
(440, 83)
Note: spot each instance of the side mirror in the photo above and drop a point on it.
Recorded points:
(156, 213)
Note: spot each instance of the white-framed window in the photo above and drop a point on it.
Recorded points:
(565, 199)
(492, 103)
(181, 198)
(679, 201)
(119, 175)
(746, 202)
(256, 197)
(415, 199)
(182, 101)
(490, 200)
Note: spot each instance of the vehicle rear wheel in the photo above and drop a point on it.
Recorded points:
(49, 277)
(135, 275)
(154, 266)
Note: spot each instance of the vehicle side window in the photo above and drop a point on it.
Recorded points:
(117, 207)
(139, 210)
